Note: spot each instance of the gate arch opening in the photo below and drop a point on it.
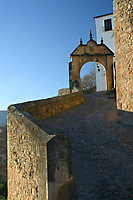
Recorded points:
(98, 75)
(85, 53)
(86, 68)
(88, 76)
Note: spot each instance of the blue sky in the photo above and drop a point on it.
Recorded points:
(36, 39)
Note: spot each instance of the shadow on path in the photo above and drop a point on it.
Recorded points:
(102, 148)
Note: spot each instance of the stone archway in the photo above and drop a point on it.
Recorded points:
(90, 52)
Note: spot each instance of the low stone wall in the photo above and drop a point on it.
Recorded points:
(39, 165)
(27, 157)
(42, 109)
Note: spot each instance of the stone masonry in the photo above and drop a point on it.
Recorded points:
(90, 52)
(123, 33)
(39, 165)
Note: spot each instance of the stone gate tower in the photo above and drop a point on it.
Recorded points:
(86, 53)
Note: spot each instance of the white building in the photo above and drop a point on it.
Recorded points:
(105, 30)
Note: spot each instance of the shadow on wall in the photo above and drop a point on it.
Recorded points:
(125, 117)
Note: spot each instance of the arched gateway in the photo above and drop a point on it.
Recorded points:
(90, 52)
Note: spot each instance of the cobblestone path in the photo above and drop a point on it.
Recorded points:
(102, 148)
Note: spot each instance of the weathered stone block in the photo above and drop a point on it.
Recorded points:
(60, 177)
(64, 91)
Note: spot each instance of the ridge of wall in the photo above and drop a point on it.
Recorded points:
(42, 109)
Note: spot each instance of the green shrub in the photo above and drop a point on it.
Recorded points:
(2, 189)
(2, 198)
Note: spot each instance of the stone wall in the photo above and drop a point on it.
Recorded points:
(39, 165)
(123, 33)
(60, 179)
(42, 109)
(27, 161)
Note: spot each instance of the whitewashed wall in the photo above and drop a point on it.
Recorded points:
(108, 40)
(100, 77)
(106, 35)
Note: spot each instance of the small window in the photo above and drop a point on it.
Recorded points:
(108, 25)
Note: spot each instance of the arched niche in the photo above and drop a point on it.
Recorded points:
(90, 52)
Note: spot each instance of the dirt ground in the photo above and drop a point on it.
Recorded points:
(102, 148)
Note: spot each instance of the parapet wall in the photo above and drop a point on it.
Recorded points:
(123, 28)
(42, 109)
(27, 161)
(39, 165)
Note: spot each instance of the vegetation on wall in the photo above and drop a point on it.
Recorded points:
(3, 162)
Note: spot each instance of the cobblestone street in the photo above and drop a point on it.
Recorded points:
(102, 148)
